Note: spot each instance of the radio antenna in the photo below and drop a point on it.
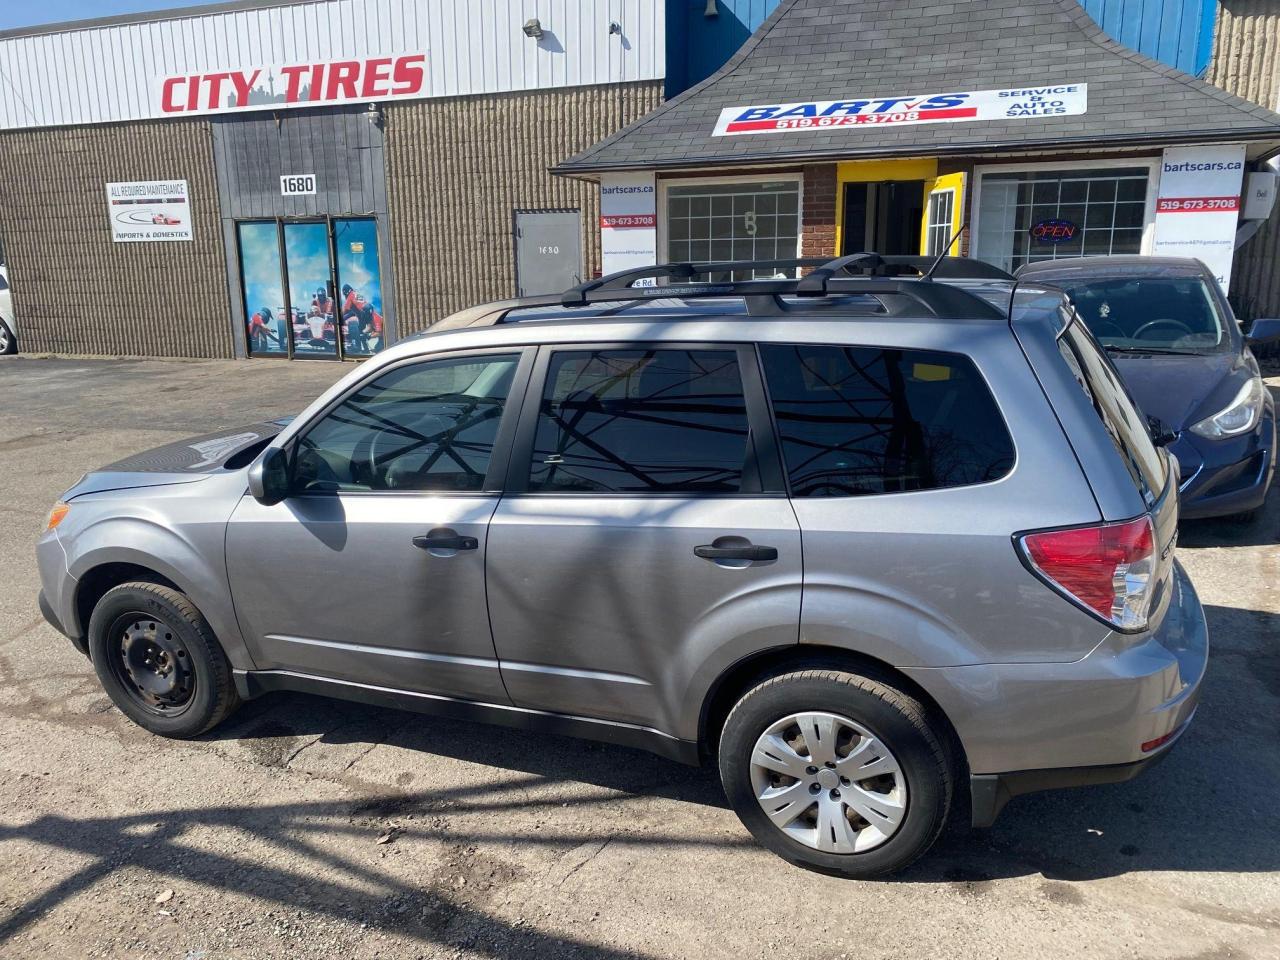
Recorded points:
(945, 252)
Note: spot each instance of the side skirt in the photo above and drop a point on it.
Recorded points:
(254, 683)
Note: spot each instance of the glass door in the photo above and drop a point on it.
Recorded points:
(309, 267)
(312, 288)
(265, 308)
(355, 244)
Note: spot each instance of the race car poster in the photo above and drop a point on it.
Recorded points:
(149, 211)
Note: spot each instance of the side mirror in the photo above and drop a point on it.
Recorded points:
(269, 476)
(1161, 433)
(1264, 330)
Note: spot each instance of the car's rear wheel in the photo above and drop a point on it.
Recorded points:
(8, 342)
(159, 661)
(836, 771)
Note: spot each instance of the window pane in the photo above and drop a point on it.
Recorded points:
(430, 426)
(264, 308)
(860, 420)
(641, 421)
(306, 250)
(758, 217)
(360, 290)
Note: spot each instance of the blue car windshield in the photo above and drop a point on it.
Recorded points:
(1149, 314)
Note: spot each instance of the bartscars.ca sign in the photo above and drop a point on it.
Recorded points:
(1024, 103)
(285, 86)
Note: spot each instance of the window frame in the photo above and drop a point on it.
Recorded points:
(932, 226)
(662, 236)
(777, 436)
(763, 439)
(502, 444)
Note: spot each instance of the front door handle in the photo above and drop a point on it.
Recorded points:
(749, 552)
(445, 541)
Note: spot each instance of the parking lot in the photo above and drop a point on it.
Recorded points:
(318, 828)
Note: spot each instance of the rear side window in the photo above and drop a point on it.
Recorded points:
(643, 421)
(1124, 424)
(862, 420)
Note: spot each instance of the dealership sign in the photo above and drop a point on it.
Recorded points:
(307, 84)
(150, 210)
(628, 222)
(1026, 103)
(1198, 205)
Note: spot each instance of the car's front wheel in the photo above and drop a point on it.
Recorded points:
(836, 771)
(159, 662)
(8, 342)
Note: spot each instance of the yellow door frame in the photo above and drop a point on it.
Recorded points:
(955, 183)
(874, 171)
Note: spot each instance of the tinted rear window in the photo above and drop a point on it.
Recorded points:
(1124, 423)
(861, 420)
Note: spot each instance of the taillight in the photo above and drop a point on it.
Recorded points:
(1108, 568)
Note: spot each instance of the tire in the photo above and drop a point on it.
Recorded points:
(159, 662)
(8, 342)
(1244, 517)
(917, 787)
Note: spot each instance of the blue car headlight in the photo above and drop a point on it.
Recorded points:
(1239, 416)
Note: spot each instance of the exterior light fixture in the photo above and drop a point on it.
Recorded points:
(711, 10)
(533, 29)
(615, 27)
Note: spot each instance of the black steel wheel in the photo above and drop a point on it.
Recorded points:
(159, 662)
(152, 664)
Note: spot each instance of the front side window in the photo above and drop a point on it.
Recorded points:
(734, 221)
(863, 420)
(642, 421)
(1133, 314)
(430, 426)
(1028, 216)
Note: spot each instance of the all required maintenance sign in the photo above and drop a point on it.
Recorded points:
(1027, 103)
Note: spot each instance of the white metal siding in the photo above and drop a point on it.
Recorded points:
(104, 74)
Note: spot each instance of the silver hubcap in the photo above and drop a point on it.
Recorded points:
(4, 338)
(828, 783)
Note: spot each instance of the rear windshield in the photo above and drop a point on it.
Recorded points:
(1126, 426)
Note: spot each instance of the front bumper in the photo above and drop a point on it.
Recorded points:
(1031, 726)
(1222, 477)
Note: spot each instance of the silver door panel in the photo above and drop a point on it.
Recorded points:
(600, 608)
(333, 586)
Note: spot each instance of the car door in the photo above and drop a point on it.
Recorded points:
(372, 570)
(645, 542)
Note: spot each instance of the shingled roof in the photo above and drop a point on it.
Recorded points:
(815, 50)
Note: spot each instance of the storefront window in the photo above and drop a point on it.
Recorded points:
(1028, 216)
(734, 221)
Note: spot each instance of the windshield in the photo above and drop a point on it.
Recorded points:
(1149, 315)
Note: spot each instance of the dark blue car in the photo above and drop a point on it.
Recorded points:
(1179, 349)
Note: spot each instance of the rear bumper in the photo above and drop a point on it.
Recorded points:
(990, 792)
(1032, 726)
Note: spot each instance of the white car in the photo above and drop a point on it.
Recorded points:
(8, 322)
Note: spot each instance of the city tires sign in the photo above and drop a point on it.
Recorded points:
(278, 87)
(1024, 103)
(149, 211)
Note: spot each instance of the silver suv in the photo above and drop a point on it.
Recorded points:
(854, 538)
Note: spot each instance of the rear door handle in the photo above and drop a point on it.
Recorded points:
(749, 552)
(445, 542)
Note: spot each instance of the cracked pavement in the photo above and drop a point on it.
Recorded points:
(500, 843)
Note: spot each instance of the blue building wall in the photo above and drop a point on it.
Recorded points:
(1176, 32)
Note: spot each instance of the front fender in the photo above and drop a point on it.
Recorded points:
(180, 538)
